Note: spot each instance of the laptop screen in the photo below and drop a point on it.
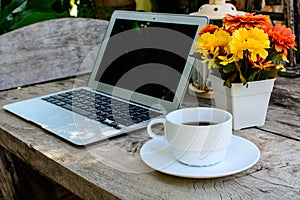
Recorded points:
(146, 57)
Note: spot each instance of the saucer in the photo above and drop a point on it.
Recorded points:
(241, 155)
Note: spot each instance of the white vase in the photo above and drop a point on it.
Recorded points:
(248, 105)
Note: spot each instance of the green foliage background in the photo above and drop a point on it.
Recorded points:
(19, 13)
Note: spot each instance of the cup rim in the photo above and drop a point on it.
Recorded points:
(199, 108)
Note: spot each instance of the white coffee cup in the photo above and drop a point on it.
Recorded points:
(196, 145)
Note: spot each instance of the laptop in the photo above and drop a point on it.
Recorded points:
(141, 72)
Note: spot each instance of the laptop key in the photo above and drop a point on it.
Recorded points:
(92, 116)
(100, 119)
(103, 109)
(60, 103)
(50, 99)
(137, 120)
(125, 122)
(75, 109)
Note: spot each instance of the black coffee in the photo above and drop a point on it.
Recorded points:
(199, 123)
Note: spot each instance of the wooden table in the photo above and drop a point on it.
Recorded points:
(113, 168)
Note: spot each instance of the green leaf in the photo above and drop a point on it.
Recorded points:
(9, 9)
(288, 73)
(227, 83)
(37, 16)
(38, 4)
(253, 75)
(228, 69)
(154, 5)
(230, 79)
(244, 81)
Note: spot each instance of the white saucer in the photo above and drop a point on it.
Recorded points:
(241, 155)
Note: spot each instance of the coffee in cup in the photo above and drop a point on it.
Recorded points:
(198, 136)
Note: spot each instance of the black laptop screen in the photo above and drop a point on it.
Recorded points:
(146, 57)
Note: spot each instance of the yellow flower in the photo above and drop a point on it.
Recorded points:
(246, 48)
(209, 45)
(210, 58)
(210, 41)
(226, 59)
(253, 40)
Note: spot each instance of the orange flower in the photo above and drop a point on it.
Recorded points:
(282, 38)
(247, 48)
(209, 28)
(261, 63)
(248, 20)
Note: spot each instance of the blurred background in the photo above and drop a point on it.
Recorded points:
(15, 14)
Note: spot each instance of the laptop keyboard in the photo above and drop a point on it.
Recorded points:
(101, 108)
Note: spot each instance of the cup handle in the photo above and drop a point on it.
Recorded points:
(149, 128)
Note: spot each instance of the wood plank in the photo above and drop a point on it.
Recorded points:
(27, 182)
(92, 175)
(48, 50)
(284, 110)
(8, 176)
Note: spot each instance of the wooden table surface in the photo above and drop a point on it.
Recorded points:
(114, 169)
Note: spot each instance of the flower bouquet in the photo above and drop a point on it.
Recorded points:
(249, 51)
(247, 48)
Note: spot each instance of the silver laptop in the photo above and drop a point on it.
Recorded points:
(141, 72)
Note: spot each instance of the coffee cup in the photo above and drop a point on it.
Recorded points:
(197, 136)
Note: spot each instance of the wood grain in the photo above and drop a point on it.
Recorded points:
(284, 110)
(99, 170)
(113, 169)
(8, 175)
(48, 50)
